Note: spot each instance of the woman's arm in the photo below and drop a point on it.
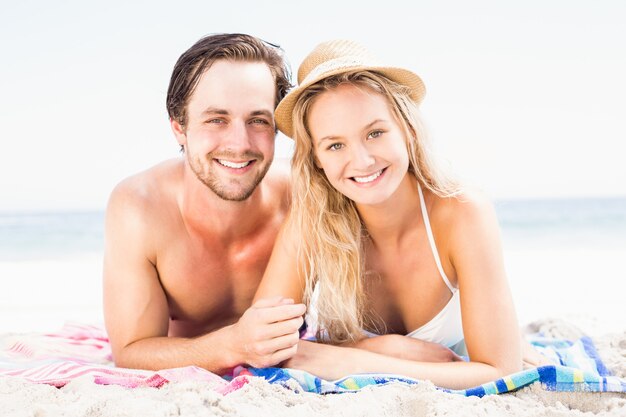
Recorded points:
(490, 324)
(334, 362)
(283, 276)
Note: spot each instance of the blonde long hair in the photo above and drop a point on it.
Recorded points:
(330, 248)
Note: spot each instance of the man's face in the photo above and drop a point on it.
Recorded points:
(229, 137)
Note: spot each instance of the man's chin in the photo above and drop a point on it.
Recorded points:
(234, 196)
(234, 192)
(232, 189)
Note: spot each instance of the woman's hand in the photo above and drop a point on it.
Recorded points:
(531, 358)
(325, 361)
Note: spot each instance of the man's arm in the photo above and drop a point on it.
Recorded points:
(137, 315)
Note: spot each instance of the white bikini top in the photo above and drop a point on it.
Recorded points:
(445, 328)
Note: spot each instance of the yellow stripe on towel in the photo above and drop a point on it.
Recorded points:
(579, 375)
(509, 383)
(351, 384)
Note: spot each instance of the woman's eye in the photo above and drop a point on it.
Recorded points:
(335, 147)
(375, 134)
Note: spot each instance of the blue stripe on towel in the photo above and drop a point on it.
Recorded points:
(590, 349)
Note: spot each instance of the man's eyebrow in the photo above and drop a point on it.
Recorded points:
(266, 113)
(214, 110)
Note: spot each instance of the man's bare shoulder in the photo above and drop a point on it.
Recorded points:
(147, 191)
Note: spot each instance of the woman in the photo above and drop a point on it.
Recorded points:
(379, 240)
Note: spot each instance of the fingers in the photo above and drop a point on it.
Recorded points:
(273, 351)
(279, 313)
(271, 337)
(285, 327)
(267, 333)
(284, 354)
(282, 342)
(271, 302)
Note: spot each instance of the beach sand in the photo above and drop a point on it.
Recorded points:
(259, 398)
(553, 292)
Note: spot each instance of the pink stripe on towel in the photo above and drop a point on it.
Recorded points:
(83, 351)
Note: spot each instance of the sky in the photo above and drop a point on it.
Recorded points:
(524, 99)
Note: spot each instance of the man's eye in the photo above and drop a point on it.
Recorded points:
(260, 121)
(335, 147)
(216, 121)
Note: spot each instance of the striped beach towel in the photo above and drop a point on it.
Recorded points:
(579, 369)
(81, 351)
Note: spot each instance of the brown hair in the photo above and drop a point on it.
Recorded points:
(232, 46)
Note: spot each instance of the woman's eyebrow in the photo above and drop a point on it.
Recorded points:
(369, 125)
(325, 138)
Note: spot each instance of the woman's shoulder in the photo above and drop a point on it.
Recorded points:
(468, 208)
(464, 224)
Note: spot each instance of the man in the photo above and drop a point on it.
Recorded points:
(187, 241)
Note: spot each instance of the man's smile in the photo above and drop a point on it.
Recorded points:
(232, 164)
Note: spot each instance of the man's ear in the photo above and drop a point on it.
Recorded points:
(179, 132)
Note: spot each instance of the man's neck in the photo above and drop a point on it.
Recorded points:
(205, 212)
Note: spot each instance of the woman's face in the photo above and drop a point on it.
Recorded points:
(358, 143)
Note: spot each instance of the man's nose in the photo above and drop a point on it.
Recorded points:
(238, 138)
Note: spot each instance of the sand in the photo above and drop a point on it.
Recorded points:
(82, 397)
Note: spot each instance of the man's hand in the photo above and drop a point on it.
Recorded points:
(267, 333)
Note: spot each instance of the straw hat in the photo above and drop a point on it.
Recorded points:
(335, 57)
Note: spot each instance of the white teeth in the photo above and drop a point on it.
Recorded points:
(371, 178)
(233, 164)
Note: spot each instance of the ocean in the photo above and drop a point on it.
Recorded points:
(563, 257)
(55, 235)
(580, 222)
(568, 222)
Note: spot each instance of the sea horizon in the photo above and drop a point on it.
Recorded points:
(28, 234)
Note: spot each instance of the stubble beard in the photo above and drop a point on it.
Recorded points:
(228, 189)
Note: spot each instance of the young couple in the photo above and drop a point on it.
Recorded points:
(212, 259)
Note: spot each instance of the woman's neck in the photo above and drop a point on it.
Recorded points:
(388, 222)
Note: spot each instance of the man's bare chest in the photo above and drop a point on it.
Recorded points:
(209, 286)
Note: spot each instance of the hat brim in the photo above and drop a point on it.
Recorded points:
(283, 115)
